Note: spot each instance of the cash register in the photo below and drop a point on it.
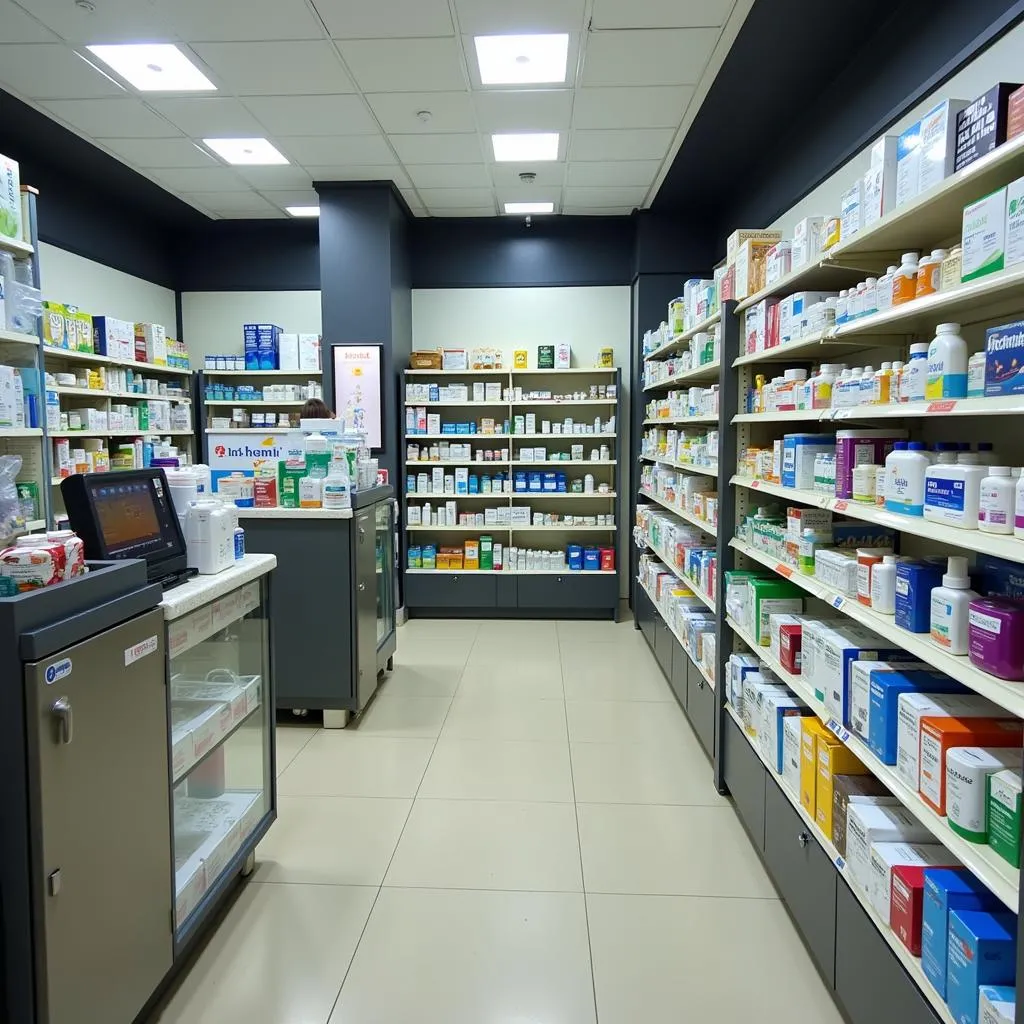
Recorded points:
(128, 514)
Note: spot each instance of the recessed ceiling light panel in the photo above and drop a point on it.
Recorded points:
(246, 151)
(154, 67)
(303, 211)
(522, 60)
(529, 207)
(526, 147)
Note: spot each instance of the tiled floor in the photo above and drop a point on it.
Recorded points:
(522, 828)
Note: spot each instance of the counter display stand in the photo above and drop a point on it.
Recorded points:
(535, 589)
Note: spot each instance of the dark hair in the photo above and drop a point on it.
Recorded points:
(316, 409)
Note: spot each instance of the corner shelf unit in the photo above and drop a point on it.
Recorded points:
(536, 590)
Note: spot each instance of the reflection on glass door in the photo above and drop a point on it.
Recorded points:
(385, 557)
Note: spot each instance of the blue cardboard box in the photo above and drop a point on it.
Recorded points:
(999, 577)
(883, 710)
(982, 951)
(997, 1004)
(1004, 360)
(915, 581)
(946, 890)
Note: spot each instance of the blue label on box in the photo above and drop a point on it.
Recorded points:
(944, 494)
(1004, 360)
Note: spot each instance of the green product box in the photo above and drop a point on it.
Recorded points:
(288, 485)
(769, 597)
(415, 558)
(84, 332)
(54, 325)
(486, 552)
(545, 357)
(143, 416)
(1003, 791)
(429, 556)
(318, 463)
(28, 491)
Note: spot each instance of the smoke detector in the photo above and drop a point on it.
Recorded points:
(85, 5)
(423, 116)
(527, 177)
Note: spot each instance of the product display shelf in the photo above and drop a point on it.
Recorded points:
(455, 405)
(816, 275)
(706, 371)
(259, 404)
(708, 528)
(688, 467)
(911, 963)
(670, 421)
(460, 438)
(262, 373)
(1000, 876)
(467, 373)
(549, 402)
(706, 599)
(421, 463)
(817, 347)
(120, 433)
(21, 432)
(1007, 405)
(17, 338)
(682, 643)
(16, 246)
(548, 437)
(139, 396)
(216, 733)
(72, 355)
(999, 545)
(510, 572)
(548, 462)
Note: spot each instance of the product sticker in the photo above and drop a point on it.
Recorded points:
(945, 494)
(837, 602)
(837, 728)
(947, 406)
(784, 570)
(989, 623)
(57, 671)
(141, 650)
(840, 863)
(840, 506)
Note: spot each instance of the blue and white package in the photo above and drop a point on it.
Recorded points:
(1004, 360)
(915, 581)
(884, 697)
(982, 951)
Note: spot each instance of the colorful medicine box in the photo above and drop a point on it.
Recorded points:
(982, 126)
(833, 759)
(995, 637)
(997, 1004)
(906, 905)
(770, 597)
(883, 713)
(1003, 814)
(1004, 360)
(982, 951)
(811, 731)
(915, 582)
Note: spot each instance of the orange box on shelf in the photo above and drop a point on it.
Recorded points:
(472, 554)
(811, 730)
(833, 759)
(938, 735)
(425, 360)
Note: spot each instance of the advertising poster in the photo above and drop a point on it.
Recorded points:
(233, 452)
(357, 389)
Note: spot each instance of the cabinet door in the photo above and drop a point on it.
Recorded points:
(570, 591)
(97, 725)
(805, 877)
(701, 707)
(745, 777)
(680, 663)
(663, 642)
(366, 605)
(385, 570)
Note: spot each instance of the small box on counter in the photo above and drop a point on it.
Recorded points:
(982, 125)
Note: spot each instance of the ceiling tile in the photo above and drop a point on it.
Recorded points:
(96, 117)
(233, 203)
(438, 149)
(413, 202)
(639, 144)
(449, 175)
(177, 152)
(111, 21)
(530, 194)
(493, 17)
(17, 26)
(449, 198)
(597, 211)
(200, 179)
(539, 110)
(271, 178)
(359, 172)
(456, 211)
(648, 57)
(638, 107)
(337, 149)
(449, 112)
(385, 19)
(547, 174)
(660, 13)
(50, 71)
(300, 197)
(405, 65)
(598, 197)
(636, 173)
(240, 20)
(207, 116)
(313, 115)
(274, 69)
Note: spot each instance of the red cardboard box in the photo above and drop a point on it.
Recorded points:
(907, 902)
(790, 646)
(607, 559)
(772, 335)
(1015, 115)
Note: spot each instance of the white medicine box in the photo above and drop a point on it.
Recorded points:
(851, 211)
(806, 241)
(938, 143)
(288, 351)
(880, 181)
(908, 163)
(309, 351)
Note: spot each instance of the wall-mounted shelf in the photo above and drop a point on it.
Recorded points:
(93, 357)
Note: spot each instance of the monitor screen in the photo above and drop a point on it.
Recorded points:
(132, 516)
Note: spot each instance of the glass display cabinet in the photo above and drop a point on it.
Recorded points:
(385, 570)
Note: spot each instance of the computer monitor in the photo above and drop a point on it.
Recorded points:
(127, 514)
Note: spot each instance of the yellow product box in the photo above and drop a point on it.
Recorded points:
(520, 359)
(472, 559)
(54, 325)
(741, 235)
(833, 759)
(441, 561)
(811, 731)
(455, 557)
(751, 258)
(832, 233)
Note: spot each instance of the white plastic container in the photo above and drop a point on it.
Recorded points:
(952, 493)
(884, 289)
(904, 280)
(1018, 516)
(947, 364)
(209, 536)
(881, 390)
(865, 483)
(905, 468)
(865, 396)
(915, 374)
(842, 306)
(337, 491)
(823, 385)
(997, 504)
(949, 607)
(880, 486)
(897, 380)
(883, 585)
(184, 487)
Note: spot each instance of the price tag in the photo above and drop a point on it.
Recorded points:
(947, 406)
(783, 570)
(837, 728)
(840, 863)
(840, 506)
(838, 602)
(755, 484)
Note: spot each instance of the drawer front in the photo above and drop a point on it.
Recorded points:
(805, 877)
(646, 615)
(568, 591)
(663, 644)
(459, 590)
(680, 663)
(745, 777)
(701, 707)
(871, 984)
(506, 590)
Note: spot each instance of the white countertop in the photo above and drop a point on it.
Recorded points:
(295, 513)
(202, 590)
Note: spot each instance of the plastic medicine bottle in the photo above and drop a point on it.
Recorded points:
(949, 607)
(915, 374)
(1018, 516)
(905, 468)
(929, 273)
(947, 364)
(883, 586)
(822, 384)
(998, 501)
(952, 492)
(904, 281)
(882, 384)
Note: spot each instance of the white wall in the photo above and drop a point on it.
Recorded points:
(102, 291)
(212, 321)
(508, 318)
(1000, 63)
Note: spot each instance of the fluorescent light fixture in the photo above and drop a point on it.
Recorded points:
(526, 147)
(529, 207)
(246, 151)
(154, 67)
(303, 211)
(522, 60)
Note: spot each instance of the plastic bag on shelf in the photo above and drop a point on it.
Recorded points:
(11, 518)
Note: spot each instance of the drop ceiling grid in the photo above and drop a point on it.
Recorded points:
(336, 84)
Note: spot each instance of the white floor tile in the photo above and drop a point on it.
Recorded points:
(597, 631)
(397, 715)
(421, 681)
(628, 721)
(612, 679)
(686, 959)
(331, 840)
(419, 652)
(530, 679)
(505, 718)
(668, 851)
(437, 629)
(498, 770)
(446, 957)
(490, 844)
(340, 763)
(292, 738)
(279, 955)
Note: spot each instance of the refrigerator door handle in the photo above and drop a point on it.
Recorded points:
(62, 712)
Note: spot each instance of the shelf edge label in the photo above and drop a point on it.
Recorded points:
(141, 650)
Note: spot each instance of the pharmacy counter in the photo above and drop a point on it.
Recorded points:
(334, 600)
